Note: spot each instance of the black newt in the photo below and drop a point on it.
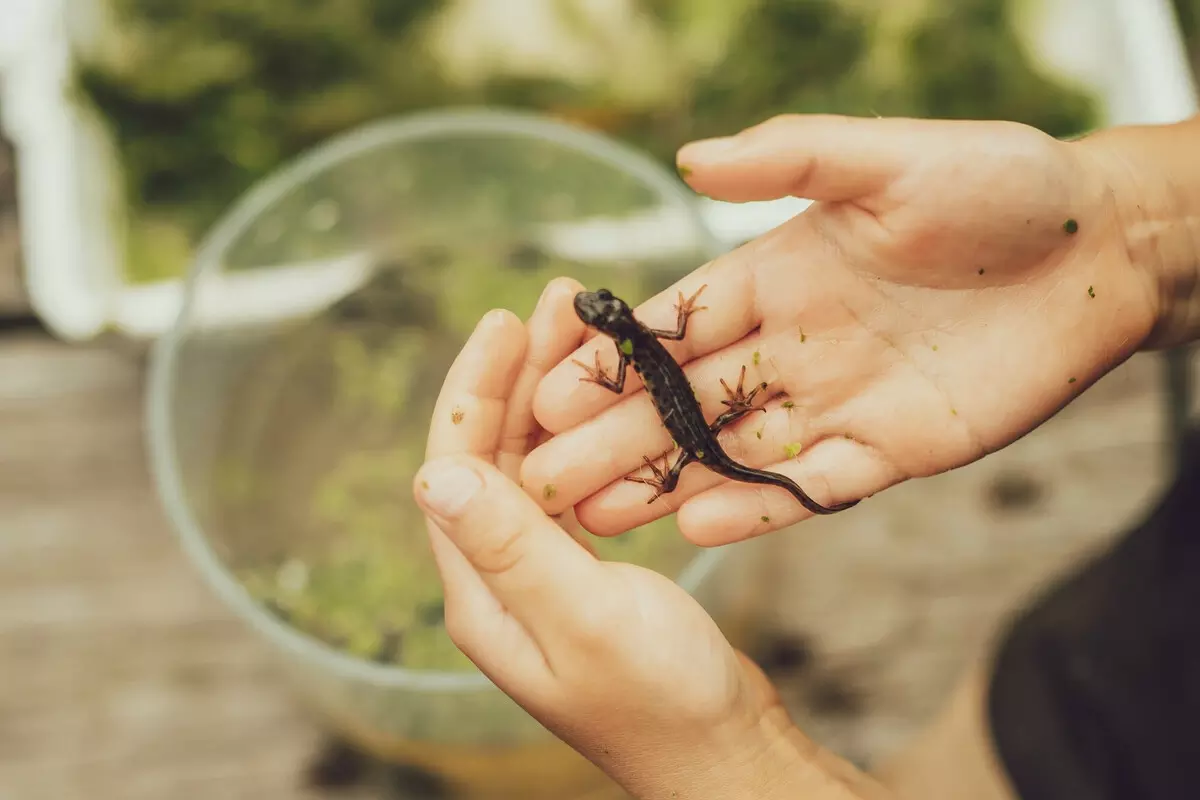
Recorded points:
(674, 398)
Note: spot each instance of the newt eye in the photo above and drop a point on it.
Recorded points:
(604, 294)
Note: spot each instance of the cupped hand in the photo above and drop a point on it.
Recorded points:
(615, 659)
(953, 285)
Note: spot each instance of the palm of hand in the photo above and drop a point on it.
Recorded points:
(914, 328)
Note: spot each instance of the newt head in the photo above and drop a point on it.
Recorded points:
(600, 310)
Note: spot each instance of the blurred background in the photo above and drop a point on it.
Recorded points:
(210, 400)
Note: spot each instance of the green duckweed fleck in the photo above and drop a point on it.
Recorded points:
(1071, 226)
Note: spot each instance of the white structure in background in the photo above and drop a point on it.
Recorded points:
(67, 187)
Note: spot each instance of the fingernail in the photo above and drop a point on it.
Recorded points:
(710, 148)
(492, 319)
(447, 488)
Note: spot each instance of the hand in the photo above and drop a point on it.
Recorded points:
(954, 286)
(617, 660)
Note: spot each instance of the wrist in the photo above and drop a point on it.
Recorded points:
(1152, 175)
(774, 760)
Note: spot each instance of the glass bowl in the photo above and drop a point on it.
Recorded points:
(289, 406)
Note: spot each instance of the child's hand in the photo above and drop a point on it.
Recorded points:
(617, 660)
(956, 285)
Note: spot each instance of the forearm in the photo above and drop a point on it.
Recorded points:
(1154, 175)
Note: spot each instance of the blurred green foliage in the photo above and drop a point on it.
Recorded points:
(1188, 14)
(205, 98)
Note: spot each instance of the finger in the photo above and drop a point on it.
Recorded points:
(730, 312)
(531, 566)
(815, 156)
(553, 331)
(835, 470)
(467, 420)
(470, 409)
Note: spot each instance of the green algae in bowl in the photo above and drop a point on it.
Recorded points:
(289, 408)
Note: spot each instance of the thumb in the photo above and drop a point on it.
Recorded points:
(819, 157)
(537, 571)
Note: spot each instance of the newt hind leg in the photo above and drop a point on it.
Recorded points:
(665, 479)
(684, 309)
(740, 404)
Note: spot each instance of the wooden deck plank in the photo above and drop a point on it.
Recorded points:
(123, 677)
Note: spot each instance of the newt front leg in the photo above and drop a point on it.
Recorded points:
(684, 309)
(597, 374)
(740, 404)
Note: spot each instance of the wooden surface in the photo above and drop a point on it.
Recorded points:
(120, 675)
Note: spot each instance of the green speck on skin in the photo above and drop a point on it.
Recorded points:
(1070, 380)
(1091, 291)
(764, 518)
(758, 434)
(757, 358)
(425, 485)
(788, 404)
(935, 348)
(954, 412)
(803, 336)
(1070, 226)
(792, 450)
(549, 491)
(699, 454)
(627, 346)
